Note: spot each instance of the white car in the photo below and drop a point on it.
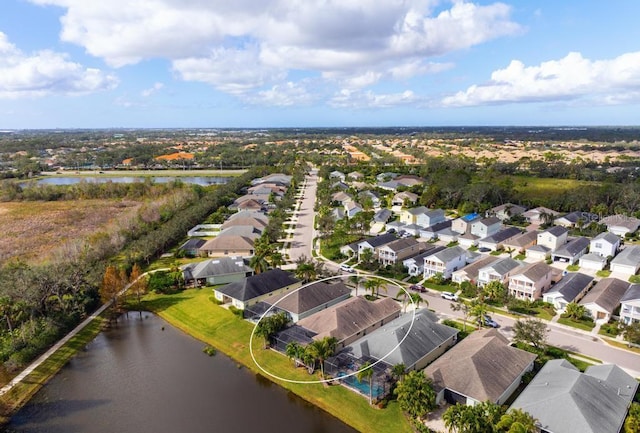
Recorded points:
(450, 296)
(347, 268)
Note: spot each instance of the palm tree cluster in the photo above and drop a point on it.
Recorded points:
(315, 352)
(488, 417)
(270, 326)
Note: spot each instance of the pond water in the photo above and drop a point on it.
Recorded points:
(146, 376)
(71, 180)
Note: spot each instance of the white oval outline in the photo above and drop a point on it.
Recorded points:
(268, 373)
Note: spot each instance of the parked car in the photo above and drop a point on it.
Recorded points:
(391, 230)
(347, 268)
(417, 288)
(484, 249)
(450, 296)
(488, 321)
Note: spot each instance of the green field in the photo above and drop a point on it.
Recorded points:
(537, 189)
(195, 313)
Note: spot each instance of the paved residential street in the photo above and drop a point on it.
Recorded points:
(559, 335)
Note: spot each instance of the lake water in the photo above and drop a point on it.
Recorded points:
(139, 377)
(71, 180)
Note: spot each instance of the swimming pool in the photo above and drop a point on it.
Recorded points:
(362, 387)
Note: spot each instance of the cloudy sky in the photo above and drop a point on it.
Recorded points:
(296, 63)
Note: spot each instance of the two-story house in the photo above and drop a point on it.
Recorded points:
(486, 227)
(606, 244)
(375, 242)
(422, 216)
(627, 262)
(447, 261)
(499, 270)
(531, 282)
(398, 250)
(463, 224)
(553, 237)
(415, 264)
(630, 301)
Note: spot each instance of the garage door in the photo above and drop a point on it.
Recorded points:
(454, 398)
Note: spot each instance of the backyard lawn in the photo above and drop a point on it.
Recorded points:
(194, 312)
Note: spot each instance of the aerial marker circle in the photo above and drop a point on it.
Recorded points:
(284, 379)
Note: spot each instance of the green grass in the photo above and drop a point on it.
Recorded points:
(573, 268)
(193, 312)
(603, 273)
(23, 391)
(538, 189)
(582, 324)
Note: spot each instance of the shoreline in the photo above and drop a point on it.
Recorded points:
(143, 173)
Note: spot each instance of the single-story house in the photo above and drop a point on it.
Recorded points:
(621, 225)
(412, 342)
(497, 240)
(531, 281)
(571, 251)
(538, 252)
(338, 213)
(520, 243)
(341, 197)
(592, 261)
(434, 230)
(553, 238)
(216, 271)
(351, 319)
(339, 185)
(447, 261)
(387, 175)
(404, 198)
(192, 247)
(310, 299)
(470, 272)
(538, 215)
(273, 178)
(251, 219)
(627, 262)
(350, 249)
(630, 305)
(447, 236)
(505, 211)
(606, 244)
(351, 208)
(467, 240)
(256, 288)
(604, 298)
(563, 400)
(499, 270)
(373, 196)
(337, 175)
(355, 175)
(229, 245)
(573, 219)
(571, 288)
(482, 367)
(382, 216)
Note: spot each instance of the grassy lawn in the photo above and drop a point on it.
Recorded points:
(193, 312)
(22, 392)
(622, 345)
(535, 189)
(603, 273)
(582, 324)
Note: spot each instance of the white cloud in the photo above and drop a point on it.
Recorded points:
(152, 90)
(46, 73)
(359, 99)
(286, 95)
(570, 78)
(245, 46)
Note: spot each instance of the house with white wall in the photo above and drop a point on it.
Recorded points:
(630, 305)
(606, 244)
(531, 281)
(447, 261)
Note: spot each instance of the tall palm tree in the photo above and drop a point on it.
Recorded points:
(398, 371)
(295, 351)
(322, 349)
(356, 280)
(366, 372)
(276, 259)
(464, 308)
(374, 285)
(417, 300)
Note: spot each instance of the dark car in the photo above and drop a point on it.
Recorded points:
(484, 249)
(417, 288)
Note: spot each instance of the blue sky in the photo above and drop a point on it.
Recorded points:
(296, 63)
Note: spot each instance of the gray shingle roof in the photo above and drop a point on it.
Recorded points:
(524, 239)
(571, 285)
(425, 336)
(214, 267)
(309, 297)
(505, 265)
(377, 241)
(382, 215)
(630, 256)
(431, 249)
(193, 243)
(631, 294)
(258, 285)
(401, 244)
(606, 293)
(572, 248)
(418, 210)
(563, 400)
(556, 230)
(472, 270)
(535, 271)
(502, 235)
(449, 254)
(607, 236)
(482, 366)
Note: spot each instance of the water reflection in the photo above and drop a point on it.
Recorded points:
(137, 377)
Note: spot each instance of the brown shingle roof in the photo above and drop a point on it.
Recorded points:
(349, 317)
(482, 366)
(535, 271)
(606, 293)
